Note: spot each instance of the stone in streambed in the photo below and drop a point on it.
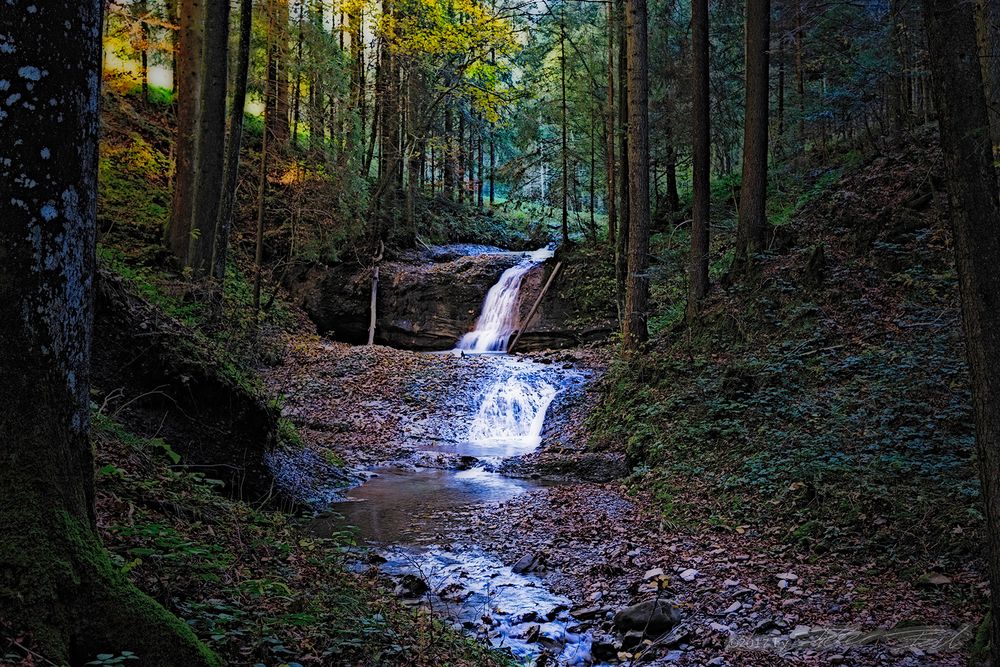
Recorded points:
(604, 648)
(654, 616)
(411, 586)
(527, 563)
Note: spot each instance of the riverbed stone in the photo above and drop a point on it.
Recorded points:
(655, 616)
(527, 563)
(411, 586)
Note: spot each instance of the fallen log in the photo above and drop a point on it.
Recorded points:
(534, 307)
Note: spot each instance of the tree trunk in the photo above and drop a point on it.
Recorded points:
(277, 71)
(975, 215)
(701, 157)
(493, 168)
(270, 93)
(670, 170)
(189, 46)
(621, 253)
(752, 226)
(800, 70)
(897, 94)
(565, 128)
(143, 7)
(592, 174)
(635, 331)
(317, 94)
(56, 581)
(172, 17)
(448, 154)
(297, 86)
(781, 82)
(460, 177)
(479, 178)
(210, 138)
(236, 115)
(609, 112)
(988, 21)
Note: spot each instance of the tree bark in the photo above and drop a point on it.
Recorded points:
(493, 168)
(277, 67)
(479, 178)
(609, 113)
(975, 216)
(297, 86)
(988, 20)
(210, 141)
(143, 7)
(565, 127)
(56, 581)
(752, 225)
(897, 94)
(701, 157)
(635, 330)
(270, 93)
(460, 176)
(448, 153)
(800, 71)
(621, 252)
(189, 46)
(236, 114)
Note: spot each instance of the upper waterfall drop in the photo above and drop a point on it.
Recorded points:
(499, 317)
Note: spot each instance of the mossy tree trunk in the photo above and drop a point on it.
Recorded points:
(975, 218)
(56, 581)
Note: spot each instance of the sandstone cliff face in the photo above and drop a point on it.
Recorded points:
(559, 322)
(427, 300)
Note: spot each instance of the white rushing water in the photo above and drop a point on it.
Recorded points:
(512, 412)
(498, 319)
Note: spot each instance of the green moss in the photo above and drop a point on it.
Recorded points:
(980, 652)
(64, 591)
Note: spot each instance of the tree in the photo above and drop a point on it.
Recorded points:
(975, 219)
(635, 331)
(609, 112)
(57, 582)
(752, 225)
(190, 35)
(236, 115)
(700, 147)
(621, 251)
(564, 126)
(988, 24)
(277, 71)
(201, 122)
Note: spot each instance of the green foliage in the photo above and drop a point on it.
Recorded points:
(253, 584)
(288, 434)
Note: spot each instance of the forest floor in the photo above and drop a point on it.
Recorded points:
(747, 596)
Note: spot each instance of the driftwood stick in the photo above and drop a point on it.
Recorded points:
(534, 307)
(375, 267)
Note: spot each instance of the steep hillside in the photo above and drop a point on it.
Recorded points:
(824, 400)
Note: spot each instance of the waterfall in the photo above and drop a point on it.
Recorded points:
(499, 316)
(512, 412)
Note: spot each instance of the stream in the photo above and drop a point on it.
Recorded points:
(406, 508)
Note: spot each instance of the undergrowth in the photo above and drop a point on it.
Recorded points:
(831, 410)
(253, 584)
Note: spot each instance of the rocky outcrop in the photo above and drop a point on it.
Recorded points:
(155, 376)
(425, 302)
(560, 321)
